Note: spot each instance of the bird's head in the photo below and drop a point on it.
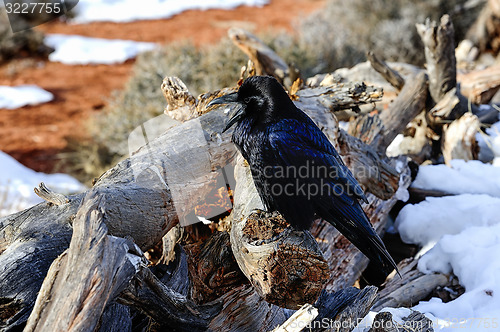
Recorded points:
(261, 98)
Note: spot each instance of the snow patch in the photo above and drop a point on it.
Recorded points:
(426, 222)
(132, 10)
(12, 97)
(79, 50)
(17, 183)
(472, 177)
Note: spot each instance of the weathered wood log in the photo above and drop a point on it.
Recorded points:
(80, 282)
(339, 96)
(387, 72)
(459, 139)
(245, 311)
(485, 32)
(50, 196)
(440, 55)
(479, 86)
(136, 193)
(167, 307)
(380, 130)
(29, 241)
(439, 41)
(412, 287)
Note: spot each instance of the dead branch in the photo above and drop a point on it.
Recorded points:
(265, 60)
(387, 72)
(380, 130)
(50, 196)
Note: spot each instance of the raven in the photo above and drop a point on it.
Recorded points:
(295, 168)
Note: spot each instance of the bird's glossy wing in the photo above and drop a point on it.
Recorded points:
(296, 142)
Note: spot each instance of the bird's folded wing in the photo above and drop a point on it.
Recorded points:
(296, 142)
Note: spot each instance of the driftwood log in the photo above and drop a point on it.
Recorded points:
(246, 286)
(133, 195)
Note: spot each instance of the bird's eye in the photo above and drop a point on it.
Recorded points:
(247, 100)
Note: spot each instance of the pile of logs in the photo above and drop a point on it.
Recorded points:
(77, 263)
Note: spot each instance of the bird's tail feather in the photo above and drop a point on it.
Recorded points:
(357, 228)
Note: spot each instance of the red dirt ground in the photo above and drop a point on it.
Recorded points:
(35, 134)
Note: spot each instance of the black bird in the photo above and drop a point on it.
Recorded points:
(296, 170)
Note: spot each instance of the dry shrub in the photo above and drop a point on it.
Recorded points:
(28, 43)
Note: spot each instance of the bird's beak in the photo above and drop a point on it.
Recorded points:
(236, 114)
(226, 99)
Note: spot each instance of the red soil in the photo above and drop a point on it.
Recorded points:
(34, 135)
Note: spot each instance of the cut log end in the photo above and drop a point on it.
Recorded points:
(268, 243)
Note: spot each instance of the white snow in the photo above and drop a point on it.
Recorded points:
(12, 97)
(460, 235)
(132, 10)
(471, 177)
(79, 50)
(17, 183)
